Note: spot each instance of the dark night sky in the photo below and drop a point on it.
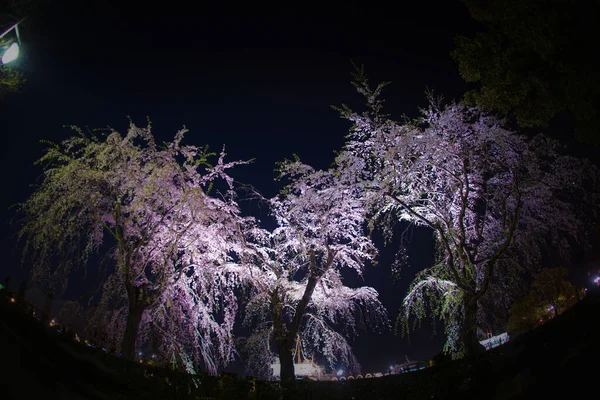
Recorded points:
(259, 79)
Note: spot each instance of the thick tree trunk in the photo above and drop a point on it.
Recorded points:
(286, 359)
(134, 317)
(280, 334)
(469, 330)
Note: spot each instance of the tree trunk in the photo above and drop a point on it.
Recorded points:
(469, 329)
(134, 317)
(280, 334)
(286, 359)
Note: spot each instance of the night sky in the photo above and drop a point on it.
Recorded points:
(259, 79)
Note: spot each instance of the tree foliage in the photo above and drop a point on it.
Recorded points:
(532, 61)
(550, 295)
(10, 80)
(552, 290)
(168, 241)
(525, 314)
(491, 198)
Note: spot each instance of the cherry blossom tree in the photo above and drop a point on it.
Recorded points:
(170, 242)
(493, 200)
(299, 270)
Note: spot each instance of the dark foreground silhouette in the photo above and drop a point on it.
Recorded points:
(557, 360)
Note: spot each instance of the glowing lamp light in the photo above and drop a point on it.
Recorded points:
(12, 300)
(340, 372)
(11, 54)
(597, 280)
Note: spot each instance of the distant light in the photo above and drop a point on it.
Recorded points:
(140, 353)
(597, 280)
(551, 308)
(12, 299)
(11, 54)
(340, 372)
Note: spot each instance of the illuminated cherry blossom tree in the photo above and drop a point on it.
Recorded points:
(299, 271)
(170, 242)
(493, 200)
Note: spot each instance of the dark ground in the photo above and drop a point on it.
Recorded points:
(556, 360)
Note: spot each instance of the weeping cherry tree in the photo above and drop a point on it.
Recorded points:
(495, 202)
(169, 242)
(299, 270)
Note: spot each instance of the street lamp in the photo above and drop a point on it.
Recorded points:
(12, 52)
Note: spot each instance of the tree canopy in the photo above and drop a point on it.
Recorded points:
(550, 295)
(532, 61)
